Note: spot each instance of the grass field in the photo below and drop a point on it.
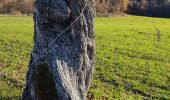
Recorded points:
(132, 63)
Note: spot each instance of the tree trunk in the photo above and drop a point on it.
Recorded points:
(63, 56)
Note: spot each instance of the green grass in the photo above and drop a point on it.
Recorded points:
(131, 63)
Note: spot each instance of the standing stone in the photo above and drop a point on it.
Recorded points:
(63, 56)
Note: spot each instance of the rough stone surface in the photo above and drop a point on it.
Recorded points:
(61, 69)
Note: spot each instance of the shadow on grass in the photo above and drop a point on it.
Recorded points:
(148, 15)
(10, 98)
(158, 12)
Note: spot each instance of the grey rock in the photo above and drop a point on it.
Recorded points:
(61, 65)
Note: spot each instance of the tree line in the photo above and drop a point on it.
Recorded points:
(26, 6)
(16, 6)
(139, 7)
(160, 8)
(111, 6)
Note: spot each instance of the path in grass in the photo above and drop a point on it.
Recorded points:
(131, 63)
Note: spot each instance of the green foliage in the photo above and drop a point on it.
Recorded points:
(131, 63)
